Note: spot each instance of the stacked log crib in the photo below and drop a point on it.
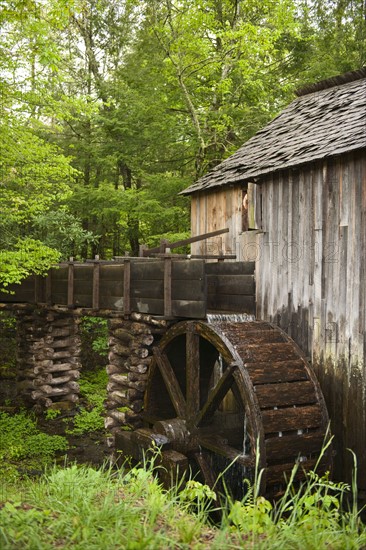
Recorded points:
(48, 357)
(130, 356)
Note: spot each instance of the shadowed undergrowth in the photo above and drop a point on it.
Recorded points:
(84, 508)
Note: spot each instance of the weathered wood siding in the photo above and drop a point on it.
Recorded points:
(311, 280)
(217, 210)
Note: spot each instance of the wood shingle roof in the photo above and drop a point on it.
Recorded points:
(322, 123)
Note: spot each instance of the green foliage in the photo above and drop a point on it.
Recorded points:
(7, 321)
(250, 517)
(21, 441)
(198, 498)
(80, 507)
(63, 231)
(8, 345)
(51, 414)
(93, 388)
(87, 421)
(28, 256)
(94, 334)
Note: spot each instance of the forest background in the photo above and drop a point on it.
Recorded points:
(109, 108)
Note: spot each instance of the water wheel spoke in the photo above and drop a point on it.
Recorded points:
(192, 373)
(216, 395)
(219, 447)
(171, 382)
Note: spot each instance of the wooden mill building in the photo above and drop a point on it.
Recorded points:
(294, 199)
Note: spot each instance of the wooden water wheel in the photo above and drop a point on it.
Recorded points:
(222, 397)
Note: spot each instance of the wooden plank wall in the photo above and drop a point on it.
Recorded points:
(221, 208)
(157, 286)
(214, 210)
(311, 280)
(231, 287)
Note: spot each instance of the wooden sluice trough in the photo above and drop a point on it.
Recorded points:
(217, 392)
(170, 287)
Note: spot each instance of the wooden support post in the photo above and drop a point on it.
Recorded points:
(70, 284)
(163, 244)
(96, 277)
(127, 287)
(168, 287)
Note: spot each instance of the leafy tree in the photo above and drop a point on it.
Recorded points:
(225, 58)
(333, 38)
(110, 108)
(35, 175)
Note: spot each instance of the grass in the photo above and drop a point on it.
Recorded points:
(23, 447)
(81, 508)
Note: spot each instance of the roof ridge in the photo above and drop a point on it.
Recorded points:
(338, 80)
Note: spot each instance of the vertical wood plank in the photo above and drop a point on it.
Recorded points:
(96, 279)
(194, 222)
(70, 283)
(230, 212)
(48, 296)
(317, 253)
(38, 287)
(127, 287)
(362, 327)
(168, 287)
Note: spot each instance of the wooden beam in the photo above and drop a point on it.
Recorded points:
(217, 394)
(195, 256)
(171, 382)
(48, 296)
(183, 242)
(38, 289)
(192, 374)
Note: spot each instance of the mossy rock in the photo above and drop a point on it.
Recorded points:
(8, 370)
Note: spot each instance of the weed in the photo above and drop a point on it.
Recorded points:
(198, 497)
(93, 388)
(87, 421)
(51, 414)
(21, 441)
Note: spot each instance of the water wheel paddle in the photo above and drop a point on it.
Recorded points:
(223, 396)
